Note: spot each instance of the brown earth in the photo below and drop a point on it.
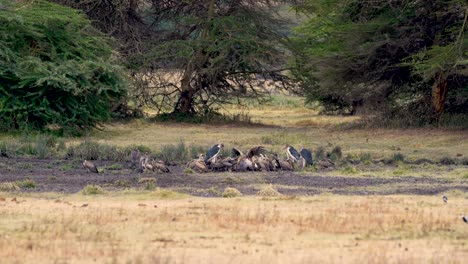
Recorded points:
(68, 176)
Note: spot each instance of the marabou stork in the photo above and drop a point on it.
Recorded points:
(307, 157)
(292, 153)
(213, 153)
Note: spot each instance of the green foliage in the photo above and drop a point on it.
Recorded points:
(90, 150)
(28, 184)
(383, 57)
(92, 190)
(56, 71)
(320, 153)
(336, 153)
(398, 157)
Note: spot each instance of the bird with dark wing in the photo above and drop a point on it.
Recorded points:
(465, 219)
(307, 157)
(247, 162)
(213, 153)
(90, 166)
(445, 199)
(236, 152)
(292, 153)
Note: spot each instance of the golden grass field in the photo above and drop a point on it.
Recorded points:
(162, 226)
(153, 228)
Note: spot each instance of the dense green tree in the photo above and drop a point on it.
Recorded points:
(398, 57)
(189, 56)
(56, 70)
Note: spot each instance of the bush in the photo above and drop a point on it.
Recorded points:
(336, 153)
(365, 158)
(92, 190)
(320, 153)
(9, 187)
(56, 72)
(398, 157)
(94, 151)
(231, 192)
(268, 191)
(28, 184)
(174, 153)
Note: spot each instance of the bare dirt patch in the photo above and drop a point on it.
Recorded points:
(68, 176)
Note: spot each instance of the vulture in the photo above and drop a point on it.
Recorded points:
(213, 153)
(199, 164)
(90, 166)
(292, 153)
(246, 162)
(160, 166)
(286, 165)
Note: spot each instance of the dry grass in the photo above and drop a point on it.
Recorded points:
(380, 143)
(319, 229)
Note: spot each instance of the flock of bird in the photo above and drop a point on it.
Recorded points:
(256, 159)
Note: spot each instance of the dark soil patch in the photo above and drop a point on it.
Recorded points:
(68, 176)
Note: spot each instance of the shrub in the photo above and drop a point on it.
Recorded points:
(398, 157)
(365, 158)
(149, 184)
(9, 187)
(268, 191)
(90, 150)
(57, 71)
(92, 190)
(231, 192)
(174, 153)
(28, 184)
(336, 153)
(122, 183)
(320, 153)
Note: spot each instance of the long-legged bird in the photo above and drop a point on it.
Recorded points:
(307, 156)
(213, 153)
(292, 153)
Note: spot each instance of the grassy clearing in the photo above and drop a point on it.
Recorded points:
(133, 228)
(284, 119)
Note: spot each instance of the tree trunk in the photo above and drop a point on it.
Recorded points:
(185, 102)
(439, 94)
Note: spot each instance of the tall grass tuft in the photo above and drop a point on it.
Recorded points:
(174, 153)
(94, 151)
(320, 153)
(92, 190)
(336, 153)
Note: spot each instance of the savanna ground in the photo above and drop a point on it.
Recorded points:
(381, 204)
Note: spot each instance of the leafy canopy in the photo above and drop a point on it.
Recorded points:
(55, 69)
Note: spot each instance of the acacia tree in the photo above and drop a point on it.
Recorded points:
(399, 56)
(56, 70)
(188, 56)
